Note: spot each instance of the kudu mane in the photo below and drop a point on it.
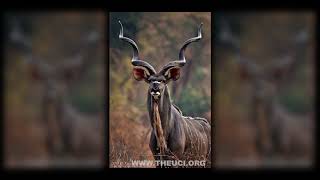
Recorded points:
(159, 131)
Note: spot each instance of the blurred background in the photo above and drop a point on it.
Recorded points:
(264, 89)
(159, 37)
(54, 86)
(54, 89)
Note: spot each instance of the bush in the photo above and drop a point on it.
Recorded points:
(193, 102)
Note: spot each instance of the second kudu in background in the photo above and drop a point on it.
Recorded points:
(68, 132)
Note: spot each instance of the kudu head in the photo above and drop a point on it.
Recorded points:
(56, 78)
(266, 78)
(157, 80)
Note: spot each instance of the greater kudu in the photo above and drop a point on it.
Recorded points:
(174, 136)
(68, 131)
(275, 128)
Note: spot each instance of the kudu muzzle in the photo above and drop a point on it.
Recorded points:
(155, 89)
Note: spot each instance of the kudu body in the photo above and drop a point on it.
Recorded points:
(174, 136)
(273, 124)
(67, 131)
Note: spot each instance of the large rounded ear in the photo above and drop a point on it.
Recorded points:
(172, 74)
(140, 73)
(37, 74)
(243, 72)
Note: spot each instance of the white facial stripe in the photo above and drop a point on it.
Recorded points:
(155, 93)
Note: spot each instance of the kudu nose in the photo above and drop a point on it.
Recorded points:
(155, 86)
(155, 89)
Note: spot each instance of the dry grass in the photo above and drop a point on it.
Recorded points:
(129, 139)
(25, 145)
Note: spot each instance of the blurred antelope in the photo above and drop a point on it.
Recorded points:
(67, 129)
(173, 136)
(276, 129)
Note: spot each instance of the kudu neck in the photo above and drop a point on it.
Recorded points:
(164, 107)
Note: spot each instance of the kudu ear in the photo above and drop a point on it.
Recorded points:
(140, 73)
(281, 67)
(172, 73)
(72, 68)
(38, 70)
(244, 73)
(36, 73)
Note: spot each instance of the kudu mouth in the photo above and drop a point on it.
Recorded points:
(155, 94)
